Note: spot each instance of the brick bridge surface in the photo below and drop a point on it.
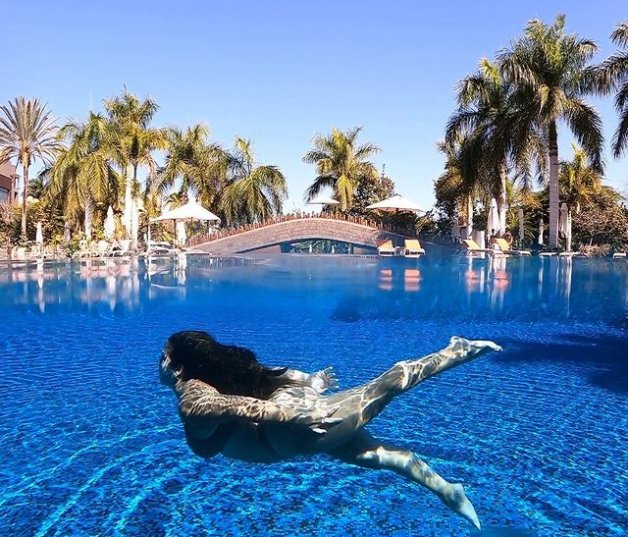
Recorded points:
(298, 230)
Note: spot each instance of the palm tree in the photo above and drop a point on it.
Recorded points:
(579, 182)
(549, 72)
(614, 77)
(136, 142)
(460, 184)
(83, 175)
(340, 163)
(27, 133)
(487, 114)
(200, 165)
(254, 193)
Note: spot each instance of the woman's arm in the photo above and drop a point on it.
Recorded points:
(321, 381)
(201, 407)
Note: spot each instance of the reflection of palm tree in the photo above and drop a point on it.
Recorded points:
(549, 72)
(27, 133)
(340, 163)
(254, 193)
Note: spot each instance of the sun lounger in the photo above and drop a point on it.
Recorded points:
(386, 249)
(505, 248)
(619, 255)
(471, 246)
(413, 248)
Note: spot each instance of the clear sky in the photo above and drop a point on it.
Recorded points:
(281, 71)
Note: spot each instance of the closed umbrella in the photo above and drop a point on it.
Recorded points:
(455, 231)
(541, 231)
(39, 236)
(135, 223)
(110, 225)
(521, 225)
(492, 223)
(562, 219)
(181, 235)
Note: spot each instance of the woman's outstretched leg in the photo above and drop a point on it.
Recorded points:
(357, 406)
(368, 452)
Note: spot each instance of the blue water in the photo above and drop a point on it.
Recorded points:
(91, 443)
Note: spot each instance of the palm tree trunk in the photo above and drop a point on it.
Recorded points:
(501, 199)
(89, 213)
(554, 201)
(24, 196)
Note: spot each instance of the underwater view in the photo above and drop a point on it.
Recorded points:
(92, 443)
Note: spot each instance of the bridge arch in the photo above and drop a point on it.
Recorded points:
(296, 230)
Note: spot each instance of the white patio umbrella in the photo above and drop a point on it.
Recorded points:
(180, 233)
(395, 203)
(110, 225)
(492, 221)
(521, 225)
(190, 211)
(127, 216)
(39, 236)
(562, 219)
(541, 231)
(135, 223)
(455, 231)
(323, 200)
(564, 225)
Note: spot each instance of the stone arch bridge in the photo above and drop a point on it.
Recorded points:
(363, 234)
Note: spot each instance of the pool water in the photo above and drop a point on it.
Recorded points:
(91, 443)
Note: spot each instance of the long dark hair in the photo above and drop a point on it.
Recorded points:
(231, 370)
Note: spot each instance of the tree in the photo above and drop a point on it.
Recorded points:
(82, 175)
(487, 116)
(603, 218)
(135, 141)
(550, 74)
(27, 133)
(200, 165)
(253, 193)
(461, 183)
(340, 164)
(371, 189)
(614, 77)
(578, 183)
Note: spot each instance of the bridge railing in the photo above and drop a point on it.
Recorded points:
(230, 232)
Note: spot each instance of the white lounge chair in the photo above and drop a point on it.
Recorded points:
(413, 248)
(505, 248)
(386, 249)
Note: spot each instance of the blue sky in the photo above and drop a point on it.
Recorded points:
(280, 72)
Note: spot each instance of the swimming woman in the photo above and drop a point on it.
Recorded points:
(231, 404)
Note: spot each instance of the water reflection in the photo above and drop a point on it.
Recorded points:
(560, 287)
(431, 287)
(114, 283)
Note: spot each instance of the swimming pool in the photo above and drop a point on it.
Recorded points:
(92, 445)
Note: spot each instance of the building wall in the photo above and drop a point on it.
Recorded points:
(7, 174)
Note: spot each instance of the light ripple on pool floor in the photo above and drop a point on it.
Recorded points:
(536, 434)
